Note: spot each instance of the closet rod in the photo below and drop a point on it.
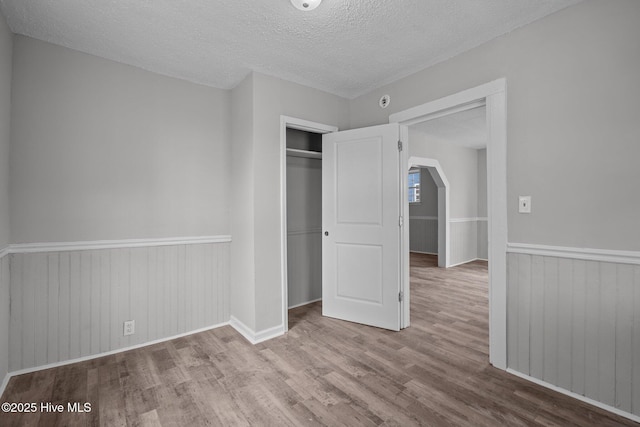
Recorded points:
(304, 153)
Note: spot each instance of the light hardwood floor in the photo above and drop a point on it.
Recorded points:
(323, 372)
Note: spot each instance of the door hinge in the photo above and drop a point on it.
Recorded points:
(400, 221)
(400, 296)
(399, 145)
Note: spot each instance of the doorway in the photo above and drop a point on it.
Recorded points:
(301, 173)
(493, 95)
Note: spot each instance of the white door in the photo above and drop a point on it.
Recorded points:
(361, 197)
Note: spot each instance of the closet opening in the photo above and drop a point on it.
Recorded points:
(304, 217)
(301, 212)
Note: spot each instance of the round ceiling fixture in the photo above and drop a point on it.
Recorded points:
(305, 4)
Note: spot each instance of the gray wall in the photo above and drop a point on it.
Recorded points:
(243, 295)
(304, 229)
(271, 98)
(572, 103)
(6, 47)
(423, 217)
(5, 135)
(101, 150)
(104, 151)
(572, 106)
(483, 225)
(467, 176)
(460, 166)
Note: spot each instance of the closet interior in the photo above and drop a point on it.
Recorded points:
(304, 217)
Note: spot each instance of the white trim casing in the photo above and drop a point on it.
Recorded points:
(256, 337)
(494, 95)
(4, 251)
(23, 248)
(603, 255)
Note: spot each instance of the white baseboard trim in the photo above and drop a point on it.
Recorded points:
(256, 337)
(466, 262)
(588, 254)
(109, 353)
(304, 303)
(22, 248)
(576, 396)
(424, 253)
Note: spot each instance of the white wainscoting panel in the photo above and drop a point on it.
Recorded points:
(72, 304)
(304, 266)
(575, 323)
(463, 240)
(4, 321)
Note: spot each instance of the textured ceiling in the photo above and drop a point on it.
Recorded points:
(466, 128)
(346, 47)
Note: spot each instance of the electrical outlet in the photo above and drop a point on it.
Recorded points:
(129, 327)
(524, 204)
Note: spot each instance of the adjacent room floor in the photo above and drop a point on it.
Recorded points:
(323, 372)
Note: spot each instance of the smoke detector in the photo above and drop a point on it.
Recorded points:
(305, 4)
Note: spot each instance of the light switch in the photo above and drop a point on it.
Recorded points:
(524, 204)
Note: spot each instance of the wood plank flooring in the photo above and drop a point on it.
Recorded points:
(322, 372)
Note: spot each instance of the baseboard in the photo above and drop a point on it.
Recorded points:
(109, 353)
(255, 337)
(580, 397)
(304, 303)
(466, 262)
(424, 253)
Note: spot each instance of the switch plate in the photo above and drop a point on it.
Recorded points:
(524, 204)
(129, 327)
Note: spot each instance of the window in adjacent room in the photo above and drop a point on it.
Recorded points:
(414, 186)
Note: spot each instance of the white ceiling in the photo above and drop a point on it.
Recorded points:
(466, 128)
(346, 47)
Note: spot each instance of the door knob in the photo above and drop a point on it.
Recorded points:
(326, 233)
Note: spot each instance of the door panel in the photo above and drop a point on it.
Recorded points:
(360, 216)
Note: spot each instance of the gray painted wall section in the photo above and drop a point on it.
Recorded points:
(466, 172)
(243, 295)
(67, 305)
(572, 103)
(6, 48)
(423, 223)
(576, 324)
(304, 230)
(102, 150)
(274, 97)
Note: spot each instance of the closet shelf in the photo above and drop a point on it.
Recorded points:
(304, 153)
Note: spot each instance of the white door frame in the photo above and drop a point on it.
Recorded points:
(308, 126)
(495, 97)
(436, 172)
